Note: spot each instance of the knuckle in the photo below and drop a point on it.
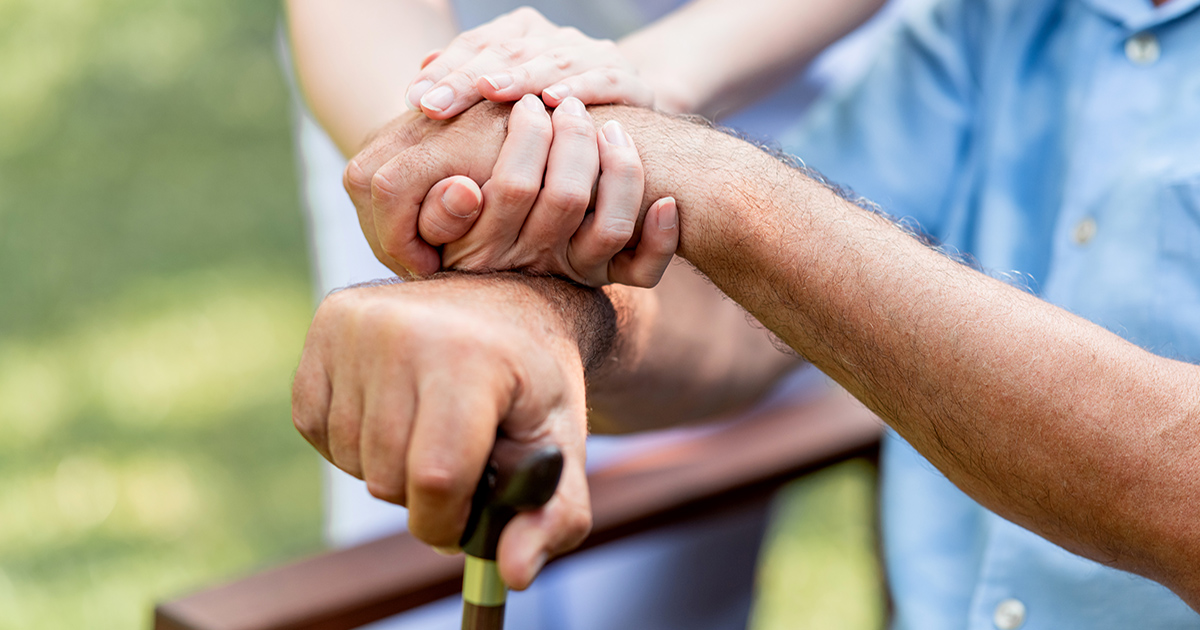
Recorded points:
(382, 187)
(389, 490)
(573, 33)
(574, 130)
(578, 524)
(527, 14)
(615, 233)
(513, 190)
(308, 425)
(642, 279)
(355, 180)
(334, 306)
(560, 59)
(624, 166)
(567, 198)
(522, 76)
(474, 39)
(513, 50)
(610, 76)
(435, 484)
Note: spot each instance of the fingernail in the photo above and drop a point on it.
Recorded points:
(438, 98)
(460, 200)
(573, 106)
(413, 98)
(447, 551)
(533, 102)
(615, 134)
(557, 92)
(498, 81)
(667, 214)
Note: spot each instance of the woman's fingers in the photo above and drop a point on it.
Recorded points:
(510, 192)
(450, 210)
(571, 169)
(608, 230)
(602, 85)
(645, 265)
(427, 92)
(458, 90)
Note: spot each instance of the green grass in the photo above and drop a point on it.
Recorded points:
(155, 295)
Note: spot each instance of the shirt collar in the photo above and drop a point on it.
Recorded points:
(1139, 15)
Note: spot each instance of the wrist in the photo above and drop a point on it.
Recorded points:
(717, 180)
(579, 320)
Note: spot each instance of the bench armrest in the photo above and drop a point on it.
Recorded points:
(702, 474)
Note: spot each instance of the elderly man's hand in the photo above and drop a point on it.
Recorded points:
(389, 179)
(505, 188)
(533, 213)
(405, 385)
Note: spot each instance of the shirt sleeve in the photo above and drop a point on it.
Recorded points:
(899, 136)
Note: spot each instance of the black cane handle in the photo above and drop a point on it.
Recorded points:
(517, 478)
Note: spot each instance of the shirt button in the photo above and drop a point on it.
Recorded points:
(1084, 231)
(1009, 615)
(1142, 49)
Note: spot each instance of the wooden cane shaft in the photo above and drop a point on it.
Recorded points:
(482, 617)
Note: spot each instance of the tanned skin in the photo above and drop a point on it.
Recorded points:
(1045, 418)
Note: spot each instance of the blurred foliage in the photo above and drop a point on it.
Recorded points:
(155, 298)
(818, 568)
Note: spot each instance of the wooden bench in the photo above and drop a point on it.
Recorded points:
(693, 478)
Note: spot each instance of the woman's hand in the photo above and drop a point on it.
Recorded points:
(523, 53)
(532, 213)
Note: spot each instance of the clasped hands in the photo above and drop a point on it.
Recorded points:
(405, 385)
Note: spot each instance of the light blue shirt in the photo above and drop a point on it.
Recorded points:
(1059, 139)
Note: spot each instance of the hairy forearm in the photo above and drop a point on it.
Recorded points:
(1047, 419)
(713, 57)
(651, 357)
(683, 351)
(354, 59)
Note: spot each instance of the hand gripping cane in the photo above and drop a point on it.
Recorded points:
(516, 479)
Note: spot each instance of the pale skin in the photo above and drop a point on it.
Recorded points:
(1045, 418)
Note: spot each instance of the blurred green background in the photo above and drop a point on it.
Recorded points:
(155, 298)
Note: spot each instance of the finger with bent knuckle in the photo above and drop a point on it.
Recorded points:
(512, 190)
(310, 400)
(345, 416)
(606, 85)
(384, 443)
(571, 168)
(568, 195)
(449, 446)
(449, 210)
(645, 266)
(561, 525)
(438, 501)
(357, 182)
(395, 210)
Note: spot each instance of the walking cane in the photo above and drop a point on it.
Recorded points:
(516, 480)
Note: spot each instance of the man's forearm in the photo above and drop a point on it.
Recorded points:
(683, 351)
(1048, 419)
